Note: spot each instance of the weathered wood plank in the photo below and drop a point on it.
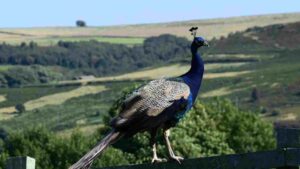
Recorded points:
(20, 163)
(257, 160)
(292, 157)
(288, 138)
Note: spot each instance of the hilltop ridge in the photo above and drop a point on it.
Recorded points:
(134, 34)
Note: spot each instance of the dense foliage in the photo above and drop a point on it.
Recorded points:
(96, 57)
(25, 75)
(213, 128)
(84, 58)
(52, 152)
(103, 59)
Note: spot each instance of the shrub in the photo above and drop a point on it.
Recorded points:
(212, 128)
(20, 108)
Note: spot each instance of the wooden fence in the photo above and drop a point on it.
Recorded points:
(286, 156)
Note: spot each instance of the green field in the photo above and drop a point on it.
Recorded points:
(48, 99)
(274, 76)
(21, 95)
(50, 41)
(265, 81)
(212, 71)
(76, 111)
(5, 67)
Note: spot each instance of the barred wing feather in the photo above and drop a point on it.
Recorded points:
(153, 98)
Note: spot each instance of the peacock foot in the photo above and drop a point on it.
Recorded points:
(157, 160)
(177, 158)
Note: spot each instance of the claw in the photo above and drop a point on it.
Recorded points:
(158, 160)
(177, 158)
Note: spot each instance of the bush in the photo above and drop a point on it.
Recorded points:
(212, 128)
(20, 108)
(53, 152)
(255, 95)
(25, 75)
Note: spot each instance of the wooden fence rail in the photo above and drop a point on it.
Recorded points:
(283, 159)
(286, 156)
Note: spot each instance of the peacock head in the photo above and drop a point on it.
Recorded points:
(199, 42)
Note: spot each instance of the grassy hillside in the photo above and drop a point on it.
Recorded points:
(85, 108)
(263, 79)
(274, 77)
(172, 70)
(55, 99)
(134, 34)
(82, 106)
(260, 39)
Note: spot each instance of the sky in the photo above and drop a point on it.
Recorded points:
(41, 13)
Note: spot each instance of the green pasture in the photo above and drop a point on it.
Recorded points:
(16, 96)
(4, 68)
(83, 111)
(274, 77)
(50, 41)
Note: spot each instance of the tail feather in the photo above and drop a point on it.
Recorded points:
(86, 161)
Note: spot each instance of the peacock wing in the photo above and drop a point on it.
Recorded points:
(153, 98)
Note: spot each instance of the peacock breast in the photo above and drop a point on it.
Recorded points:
(185, 108)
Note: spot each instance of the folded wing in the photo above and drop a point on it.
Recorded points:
(150, 101)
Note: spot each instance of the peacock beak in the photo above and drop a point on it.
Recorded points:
(205, 44)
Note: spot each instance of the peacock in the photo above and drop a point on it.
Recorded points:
(159, 104)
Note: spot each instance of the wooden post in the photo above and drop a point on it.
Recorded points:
(20, 163)
(288, 138)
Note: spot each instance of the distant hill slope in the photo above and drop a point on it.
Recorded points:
(104, 59)
(266, 62)
(256, 39)
(280, 35)
(208, 28)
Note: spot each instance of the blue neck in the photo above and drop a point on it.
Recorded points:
(194, 76)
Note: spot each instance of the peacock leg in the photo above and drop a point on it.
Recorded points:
(171, 153)
(155, 159)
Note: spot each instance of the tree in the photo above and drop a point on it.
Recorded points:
(255, 95)
(23, 44)
(80, 23)
(32, 44)
(3, 82)
(3, 134)
(212, 128)
(52, 151)
(93, 57)
(20, 108)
